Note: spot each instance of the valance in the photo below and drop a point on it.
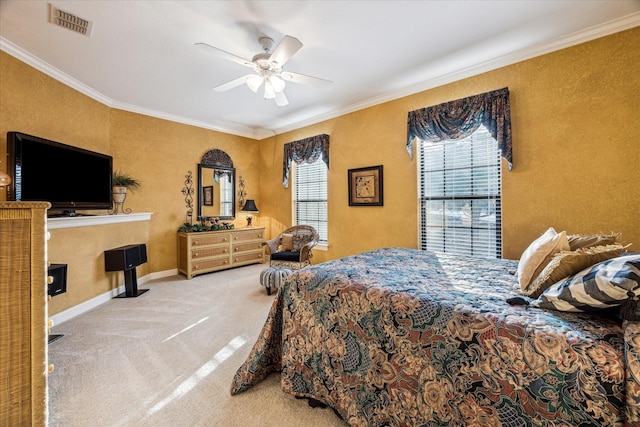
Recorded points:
(460, 118)
(306, 150)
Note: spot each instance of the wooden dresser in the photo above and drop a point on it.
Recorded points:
(204, 252)
(23, 314)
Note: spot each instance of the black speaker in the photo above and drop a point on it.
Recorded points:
(125, 257)
(58, 281)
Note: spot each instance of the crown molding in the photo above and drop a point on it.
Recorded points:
(602, 30)
(608, 28)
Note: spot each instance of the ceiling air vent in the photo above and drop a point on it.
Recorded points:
(69, 21)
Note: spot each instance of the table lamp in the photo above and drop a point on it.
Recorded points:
(249, 208)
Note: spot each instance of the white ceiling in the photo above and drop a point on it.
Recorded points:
(141, 55)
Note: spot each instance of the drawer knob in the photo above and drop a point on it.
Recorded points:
(195, 242)
(51, 368)
(49, 280)
(195, 254)
(235, 249)
(224, 239)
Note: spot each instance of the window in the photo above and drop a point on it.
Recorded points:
(310, 197)
(460, 189)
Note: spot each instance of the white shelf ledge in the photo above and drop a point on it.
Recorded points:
(86, 221)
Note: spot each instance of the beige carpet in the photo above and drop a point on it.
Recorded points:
(167, 358)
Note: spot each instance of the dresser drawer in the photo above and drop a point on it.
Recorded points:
(209, 252)
(208, 264)
(210, 239)
(244, 236)
(243, 247)
(249, 257)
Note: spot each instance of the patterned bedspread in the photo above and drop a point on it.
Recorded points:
(403, 337)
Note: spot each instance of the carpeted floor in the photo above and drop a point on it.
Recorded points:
(167, 358)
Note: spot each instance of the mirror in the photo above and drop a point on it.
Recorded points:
(216, 185)
(216, 191)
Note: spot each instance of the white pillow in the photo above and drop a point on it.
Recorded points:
(539, 253)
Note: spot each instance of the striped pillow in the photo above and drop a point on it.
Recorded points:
(604, 285)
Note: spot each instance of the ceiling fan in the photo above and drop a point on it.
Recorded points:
(268, 69)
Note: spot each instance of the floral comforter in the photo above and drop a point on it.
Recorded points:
(403, 337)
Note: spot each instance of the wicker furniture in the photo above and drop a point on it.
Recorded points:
(292, 248)
(23, 313)
(204, 252)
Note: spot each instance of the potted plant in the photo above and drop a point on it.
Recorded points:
(120, 183)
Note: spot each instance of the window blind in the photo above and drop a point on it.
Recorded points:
(310, 198)
(460, 196)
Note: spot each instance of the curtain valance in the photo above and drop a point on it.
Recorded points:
(306, 150)
(460, 118)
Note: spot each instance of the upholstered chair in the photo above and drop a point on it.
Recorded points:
(292, 247)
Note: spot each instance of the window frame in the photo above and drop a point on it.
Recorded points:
(323, 241)
(451, 196)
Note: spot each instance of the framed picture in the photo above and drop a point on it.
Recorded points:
(207, 195)
(365, 186)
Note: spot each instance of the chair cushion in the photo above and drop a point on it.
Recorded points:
(286, 256)
(300, 239)
(286, 242)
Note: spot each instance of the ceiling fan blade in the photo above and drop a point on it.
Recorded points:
(286, 49)
(281, 99)
(227, 55)
(307, 80)
(233, 83)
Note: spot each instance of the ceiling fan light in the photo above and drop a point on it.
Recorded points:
(277, 83)
(269, 93)
(254, 81)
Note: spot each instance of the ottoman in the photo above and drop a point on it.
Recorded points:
(272, 277)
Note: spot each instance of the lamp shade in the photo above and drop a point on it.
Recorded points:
(254, 81)
(250, 206)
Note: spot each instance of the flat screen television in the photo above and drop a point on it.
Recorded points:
(68, 177)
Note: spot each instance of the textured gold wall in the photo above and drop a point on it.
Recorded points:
(576, 158)
(82, 249)
(576, 129)
(157, 152)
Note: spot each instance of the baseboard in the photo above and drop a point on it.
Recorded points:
(83, 307)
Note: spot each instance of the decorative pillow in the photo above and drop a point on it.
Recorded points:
(567, 263)
(577, 241)
(607, 284)
(299, 240)
(286, 242)
(539, 253)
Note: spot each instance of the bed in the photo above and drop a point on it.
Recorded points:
(402, 337)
